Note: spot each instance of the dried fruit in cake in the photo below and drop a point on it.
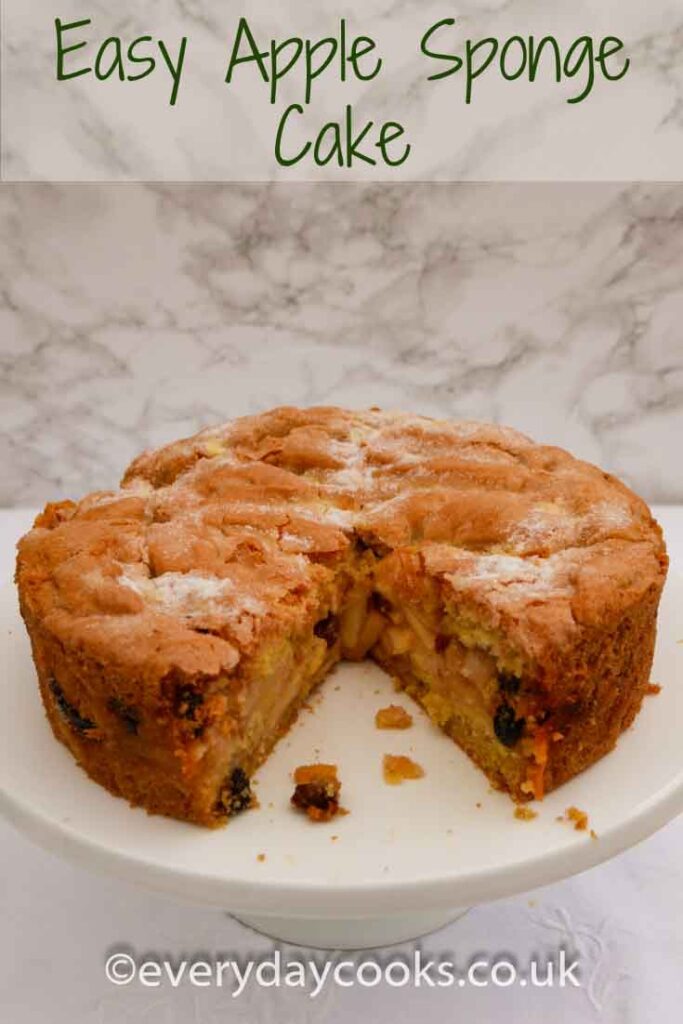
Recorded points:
(71, 715)
(235, 794)
(328, 629)
(126, 713)
(507, 727)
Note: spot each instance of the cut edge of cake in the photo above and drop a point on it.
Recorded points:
(178, 720)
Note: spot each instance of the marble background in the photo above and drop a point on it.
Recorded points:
(132, 314)
(82, 129)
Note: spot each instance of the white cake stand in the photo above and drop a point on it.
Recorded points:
(404, 862)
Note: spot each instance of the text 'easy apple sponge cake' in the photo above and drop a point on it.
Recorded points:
(179, 623)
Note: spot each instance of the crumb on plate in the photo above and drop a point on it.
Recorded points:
(397, 768)
(524, 813)
(393, 717)
(652, 689)
(317, 791)
(578, 817)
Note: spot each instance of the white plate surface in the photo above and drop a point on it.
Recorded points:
(423, 846)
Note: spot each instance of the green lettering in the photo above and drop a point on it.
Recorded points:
(313, 69)
(102, 74)
(148, 61)
(451, 57)
(353, 143)
(390, 132)
(580, 53)
(361, 47)
(511, 76)
(606, 52)
(332, 128)
(175, 69)
(535, 54)
(277, 73)
(255, 54)
(282, 160)
(474, 71)
(60, 29)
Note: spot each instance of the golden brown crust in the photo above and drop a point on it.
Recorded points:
(221, 544)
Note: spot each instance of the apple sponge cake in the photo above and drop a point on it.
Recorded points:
(179, 623)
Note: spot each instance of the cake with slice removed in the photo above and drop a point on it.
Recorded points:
(179, 623)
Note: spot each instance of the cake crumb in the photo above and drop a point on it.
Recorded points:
(524, 813)
(578, 817)
(397, 768)
(261, 857)
(594, 834)
(334, 838)
(393, 717)
(652, 689)
(478, 804)
(317, 791)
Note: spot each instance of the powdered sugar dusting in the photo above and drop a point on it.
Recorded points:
(295, 542)
(344, 518)
(355, 474)
(528, 577)
(551, 525)
(401, 476)
(548, 524)
(611, 515)
(484, 454)
(193, 595)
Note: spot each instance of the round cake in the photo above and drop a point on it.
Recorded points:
(179, 623)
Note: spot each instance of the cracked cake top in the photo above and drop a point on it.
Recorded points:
(214, 540)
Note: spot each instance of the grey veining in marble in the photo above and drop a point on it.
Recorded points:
(83, 129)
(134, 314)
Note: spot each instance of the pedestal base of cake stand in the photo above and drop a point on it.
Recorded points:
(359, 933)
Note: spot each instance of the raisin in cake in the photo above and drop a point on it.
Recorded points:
(179, 623)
